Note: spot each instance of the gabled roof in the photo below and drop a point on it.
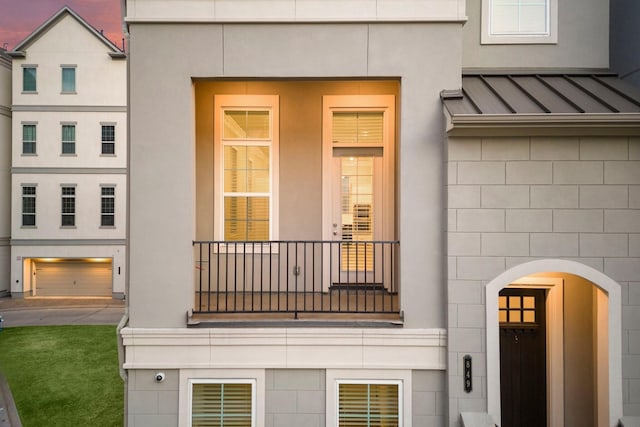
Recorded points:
(558, 103)
(19, 50)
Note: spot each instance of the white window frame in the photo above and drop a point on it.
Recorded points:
(35, 68)
(102, 198)
(190, 376)
(103, 141)
(245, 102)
(548, 37)
(75, 205)
(35, 205)
(402, 378)
(75, 81)
(35, 141)
(62, 125)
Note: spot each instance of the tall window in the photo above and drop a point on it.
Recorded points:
(108, 139)
(28, 139)
(108, 206)
(68, 139)
(28, 78)
(28, 206)
(68, 206)
(68, 79)
(369, 404)
(223, 404)
(246, 149)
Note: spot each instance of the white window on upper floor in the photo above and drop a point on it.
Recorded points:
(108, 132)
(107, 206)
(28, 205)
(68, 78)
(29, 73)
(223, 402)
(519, 22)
(68, 206)
(68, 138)
(29, 138)
(246, 172)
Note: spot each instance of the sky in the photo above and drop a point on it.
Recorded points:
(19, 18)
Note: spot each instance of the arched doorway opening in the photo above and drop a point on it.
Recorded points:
(567, 286)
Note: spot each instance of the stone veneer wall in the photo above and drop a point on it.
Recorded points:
(513, 200)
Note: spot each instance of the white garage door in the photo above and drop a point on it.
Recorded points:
(73, 278)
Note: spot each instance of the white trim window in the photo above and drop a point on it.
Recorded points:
(68, 138)
(519, 21)
(246, 149)
(107, 206)
(369, 403)
(68, 206)
(108, 137)
(29, 205)
(68, 73)
(29, 132)
(29, 78)
(222, 402)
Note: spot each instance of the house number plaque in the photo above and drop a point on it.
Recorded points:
(468, 385)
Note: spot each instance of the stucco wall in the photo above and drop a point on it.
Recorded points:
(625, 50)
(5, 172)
(163, 139)
(583, 40)
(513, 200)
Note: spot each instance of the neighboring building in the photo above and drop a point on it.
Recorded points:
(625, 40)
(68, 164)
(5, 174)
(357, 201)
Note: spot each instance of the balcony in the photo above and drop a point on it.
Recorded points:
(296, 280)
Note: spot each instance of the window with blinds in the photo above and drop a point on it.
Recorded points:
(68, 139)
(222, 404)
(247, 161)
(357, 128)
(369, 404)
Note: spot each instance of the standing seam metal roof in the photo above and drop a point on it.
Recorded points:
(484, 94)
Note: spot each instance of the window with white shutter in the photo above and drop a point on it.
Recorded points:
(223, 403)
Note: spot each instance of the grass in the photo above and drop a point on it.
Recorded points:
(63, 375)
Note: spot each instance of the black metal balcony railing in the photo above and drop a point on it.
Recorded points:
(358, 277)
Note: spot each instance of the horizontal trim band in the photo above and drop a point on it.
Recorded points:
(68, 242)
(62, 171)
(72, 108)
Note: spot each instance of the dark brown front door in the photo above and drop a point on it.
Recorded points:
(523, 360)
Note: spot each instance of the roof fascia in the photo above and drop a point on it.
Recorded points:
(20, 50)
(542, 124)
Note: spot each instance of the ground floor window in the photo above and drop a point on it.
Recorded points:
(369, 404)
(223, 403)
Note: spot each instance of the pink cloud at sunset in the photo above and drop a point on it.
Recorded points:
(19, 18)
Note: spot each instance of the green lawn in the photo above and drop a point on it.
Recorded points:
(63, 375)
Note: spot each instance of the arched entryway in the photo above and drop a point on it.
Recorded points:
(547, 275)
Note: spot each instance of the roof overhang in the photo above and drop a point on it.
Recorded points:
(542, 124)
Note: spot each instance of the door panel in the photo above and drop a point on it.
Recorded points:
(73, 278)
(523, 359)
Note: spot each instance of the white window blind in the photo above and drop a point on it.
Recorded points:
(222, 405)
(368, 405)
(350, 127)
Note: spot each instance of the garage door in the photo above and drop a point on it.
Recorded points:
(73, 278)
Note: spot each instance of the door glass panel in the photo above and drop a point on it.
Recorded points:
(356, 185)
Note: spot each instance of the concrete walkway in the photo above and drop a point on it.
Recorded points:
(50, 311)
